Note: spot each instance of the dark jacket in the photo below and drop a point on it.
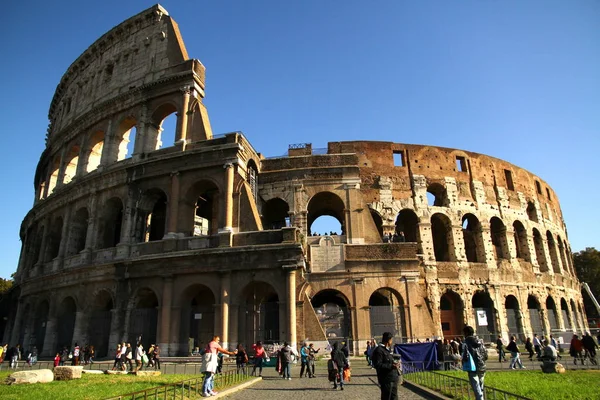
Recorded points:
(478, 351)
(512, 346)
(286, 355)
(383, 361)
(338, 357)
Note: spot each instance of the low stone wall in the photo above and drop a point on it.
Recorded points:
(67, 373)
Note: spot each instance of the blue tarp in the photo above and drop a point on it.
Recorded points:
(417, 355)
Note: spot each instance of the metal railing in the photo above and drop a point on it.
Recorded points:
(458, 388)
(184, 389)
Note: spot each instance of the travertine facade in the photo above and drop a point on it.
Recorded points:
(178, 241)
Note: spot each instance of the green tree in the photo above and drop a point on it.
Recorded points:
(587, 266)
(5, 285)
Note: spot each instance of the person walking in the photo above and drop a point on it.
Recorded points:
(139, 352)
(339, 362)
(304, 368)
(537, 345)
(209, 365)
(529, 348)
(241, 359)
(500, 348)
(367, 353)
(13, 356)
(91, 354)
(156, 357)
(576, 349)
(515, 354)
(57, 360)
(117, 363)
(286, 355)
(473, 361)
(589, 344)
(76, 354)
(259, 356)
(312, 356)
(388, 369)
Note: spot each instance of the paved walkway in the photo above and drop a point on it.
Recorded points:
(363, 386)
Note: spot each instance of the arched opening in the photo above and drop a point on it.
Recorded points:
(514, 318)
(332, 311)
(55, 169)
(535, 317)
(378, 222)
(540, 255)
(275, 214)
(66, 322)
(566, 316)
(200, 209)
(521, 241)
(96, 148)
(408, 222)
(436, 195)
(151, 216)
(78, 234)
(39, 325)
(441, 232)
(161, 130)
(552, 317)
(72, 159)
(532, 212)
(326, 204)
(498, 232)
(576, 322)
(125, 138)
(112, 219)
(553, 252)
(143, 318)
(451, 314)
(36, 246)
(473, 238)
(100, 319)
(561, 252)
(54, 239)
(386, 311)
(485, 316)
(197, 317)
(259, 316)
(252, 179)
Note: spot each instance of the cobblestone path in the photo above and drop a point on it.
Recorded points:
(363, 386)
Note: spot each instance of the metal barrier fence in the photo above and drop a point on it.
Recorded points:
(184, 389)
(458, 388)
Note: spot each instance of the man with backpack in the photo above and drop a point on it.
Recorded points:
(474, 357)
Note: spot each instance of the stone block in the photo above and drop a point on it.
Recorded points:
(93, 371)
(111, 372)
(37, 376)
(67, 373)
(147, 373)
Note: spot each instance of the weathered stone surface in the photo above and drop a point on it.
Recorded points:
(93, 372)
(111, 372)
(147, 373)
(35, 376)
(67, 373)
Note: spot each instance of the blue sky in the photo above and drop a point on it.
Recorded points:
(518, 80)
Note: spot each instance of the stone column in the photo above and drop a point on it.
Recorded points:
(228, 198)
(50, 339)
(92, 229)
(291, 304)
(78, 329)
(182, 117)
(42, 253)
(84, 153)
(106, 158)
(173, 205)
(14, 335)
(225, 300)
(64, 235)
(165, 314)
(61, 168)
(115, 330)
(176, 346)
(233, 323)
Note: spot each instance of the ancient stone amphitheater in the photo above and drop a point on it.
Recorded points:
(175, 240)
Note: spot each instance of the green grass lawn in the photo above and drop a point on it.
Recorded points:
(573, 385)
(89, 387)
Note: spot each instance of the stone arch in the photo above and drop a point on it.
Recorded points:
(125, 138)
(198, 124)
(408, 222)
(198, 304)
(499, 241)
(576, 322)
(473, 238)
(532, 212)
(156, 135)
(333, 311)
(484, 311)
(437, 195)
(535, 317)
(552, 314)
(441, 232)
(259, 314)
(100, 321)
(200, 209)
(252, 178)
(78, 232)
(35, 241)
(553, 252)
(451, 314)
(386, 311)
(566, 316)
(514, 317)
(54, 239)
(326, 204)
(42, 314)
(143, 318)
(540, 254)
(54, 171)
(275, 213)
(378, 221)
(65, 323)
(111, 222)
(151, 216)
(563, 258)
(95, 148)
(71, 161)
(521, 242)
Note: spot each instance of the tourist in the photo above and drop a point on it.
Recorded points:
(556, 345)
(338, 362)
(76, 354)
(2, 352)
(529, 348)
(91, 354)
(34, 355)
(500, 348)
(57, 360)
(139, 352)
(14, 355)
(388, 369)
(123, 363)
(287, 354)
(209, 365)
(241, 359)
(64, 356)
(549, 352)
(311, 359)
(117, 363)
(304, 368)
(473, 361)
(589, 344)
(537, 345)
(129, 356)
(156, 357)
(259, 356)
(576, 349)
(447, 354)
(515, 354)
(150, 354)
(367, 352)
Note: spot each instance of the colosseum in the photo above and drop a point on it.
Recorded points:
(134, 235)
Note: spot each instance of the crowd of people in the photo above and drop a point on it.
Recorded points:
(126, 355)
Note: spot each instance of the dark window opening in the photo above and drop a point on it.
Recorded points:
(399, 159)
(532, 212)
(538, 187)
(509, 181)
(461, 164)
(548, 194)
